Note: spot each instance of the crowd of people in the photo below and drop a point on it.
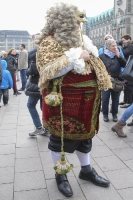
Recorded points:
(71, 79)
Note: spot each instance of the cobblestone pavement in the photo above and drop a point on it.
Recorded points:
(26, 169)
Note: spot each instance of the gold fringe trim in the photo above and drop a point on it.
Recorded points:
(103, 78)
(51, 69)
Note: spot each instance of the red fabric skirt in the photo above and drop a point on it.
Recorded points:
(81, 107)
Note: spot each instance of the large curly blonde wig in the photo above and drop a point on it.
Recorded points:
(61, 21)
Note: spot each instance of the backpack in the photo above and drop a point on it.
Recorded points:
(0, 72)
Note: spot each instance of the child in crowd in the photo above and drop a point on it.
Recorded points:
(6, 82)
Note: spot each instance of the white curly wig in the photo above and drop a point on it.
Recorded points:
(61, 21)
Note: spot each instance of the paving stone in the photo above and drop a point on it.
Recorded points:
(28, 165)
(110, 163)
(7, 160)
(15, 112)
(10, 120)
(6, 192)
(130, 143)
(129, 137)
(28, 152)
(6, 175)
(7, 133)
(124, 153)
(26, 122)
(108, 124)
(32, 195)
(116, 144)
(121, 178)
(12, 108)
(29, 181)
(26, 142)
(8, 140)
(23, 112)
(103, 128)
(126, 194)
(8, 126)
(109, 135)
(100, 151)
(43, 146)
(46, 158)
(27, 128)
(99, 193)
(55, 194)
(42, 138)
(129, 163)
(7, 149)
(97, 141)
(26, 119)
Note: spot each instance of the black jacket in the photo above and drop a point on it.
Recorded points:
(32, 56)
(32, 72)
(11, 64)
(128, 50)
(16, 59)
(113, 65)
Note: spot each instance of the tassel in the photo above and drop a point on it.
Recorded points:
(62, 166)
(54, 98)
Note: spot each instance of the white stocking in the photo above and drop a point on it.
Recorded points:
(56, 156)
(84, 158)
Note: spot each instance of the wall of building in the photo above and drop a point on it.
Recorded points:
(12, 39)
(116, 21)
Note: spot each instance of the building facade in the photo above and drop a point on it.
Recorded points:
(116, 21)
(13, 38)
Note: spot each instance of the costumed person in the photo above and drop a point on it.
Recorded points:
(71, 79)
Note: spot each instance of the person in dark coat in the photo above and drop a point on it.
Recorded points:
(127, 47)
(33, 92)
(16, 55)
(11, 67)
(113, 62)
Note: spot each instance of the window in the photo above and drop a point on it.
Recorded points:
(129, 6)
(24, 40)
(10, 44)
(10, 40)
(2, 40)
(17, 40)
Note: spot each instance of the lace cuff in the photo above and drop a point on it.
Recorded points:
(73, 54)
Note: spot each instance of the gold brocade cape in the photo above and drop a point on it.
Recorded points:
(51, 60)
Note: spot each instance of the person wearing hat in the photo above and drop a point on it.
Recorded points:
(71, 79)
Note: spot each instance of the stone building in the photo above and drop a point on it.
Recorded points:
(13, 38)
(116, 21)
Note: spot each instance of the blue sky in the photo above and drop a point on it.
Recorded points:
(29, 14)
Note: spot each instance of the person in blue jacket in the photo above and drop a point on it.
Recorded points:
(6, 83)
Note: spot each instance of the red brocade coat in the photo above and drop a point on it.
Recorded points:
(81, 107)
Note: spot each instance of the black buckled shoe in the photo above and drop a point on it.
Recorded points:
(63, 185)
(94, 178)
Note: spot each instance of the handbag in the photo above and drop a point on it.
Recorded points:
(127, 73)
(117, 85)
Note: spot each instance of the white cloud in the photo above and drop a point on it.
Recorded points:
(30, 15)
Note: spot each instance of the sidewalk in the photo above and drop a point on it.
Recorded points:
(26, 169)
